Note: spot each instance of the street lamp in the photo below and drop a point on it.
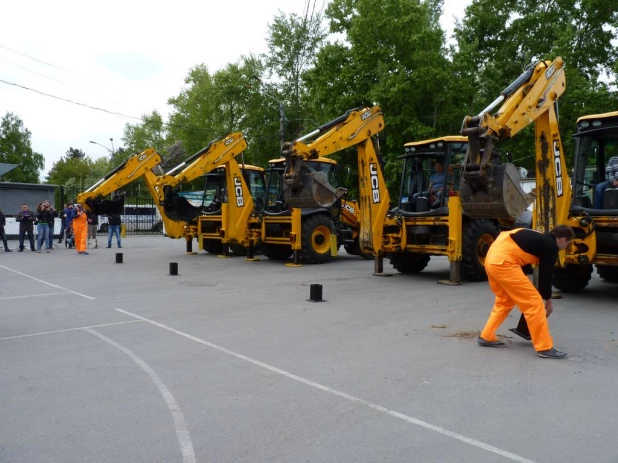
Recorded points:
(111, 152)
(281, 112)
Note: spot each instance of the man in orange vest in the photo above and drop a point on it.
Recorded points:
(510, 252)
(80, 229)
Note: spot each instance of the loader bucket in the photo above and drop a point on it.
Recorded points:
(109, 207)
(495, 195)
(179, 209)
(314, 192)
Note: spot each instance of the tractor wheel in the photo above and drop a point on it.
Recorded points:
(478, 236)
(316, 233)
(409, 262)
(213, 246)
(608, 272)
(277, 251)
(572, 278)
(355, 250)
(238, 249)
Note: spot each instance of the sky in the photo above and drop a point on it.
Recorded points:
(126, 57)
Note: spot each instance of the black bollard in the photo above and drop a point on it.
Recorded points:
(315, 293)
(173, 268)
(119, 258)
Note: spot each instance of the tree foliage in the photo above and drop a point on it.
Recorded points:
(77, 171)
(15, 148)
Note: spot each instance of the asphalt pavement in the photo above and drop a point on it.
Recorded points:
(229, 362)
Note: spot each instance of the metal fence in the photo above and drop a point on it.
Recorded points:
(140, 216)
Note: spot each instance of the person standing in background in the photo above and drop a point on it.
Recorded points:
(80, 229)
(25, 217)
(114, 228)
(63, 222)
(93, 224)
(53, 214)
(42, 230)
(2, 233)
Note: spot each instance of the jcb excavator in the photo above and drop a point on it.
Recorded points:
(596, 229)
(220, 224)
(307, 182)
(136, 166)
(318, 227)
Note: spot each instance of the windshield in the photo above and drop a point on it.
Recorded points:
(257, 186)
(274, 190)
(440, 164)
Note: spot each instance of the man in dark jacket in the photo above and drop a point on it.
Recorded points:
(2, 234)
(26, 225)
(114, 229)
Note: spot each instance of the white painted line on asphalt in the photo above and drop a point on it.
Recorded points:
(409, 419)
(31, 295)
(45, 282)
(186, 446)
(68, 329)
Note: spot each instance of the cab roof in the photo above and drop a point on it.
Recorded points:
(448, 138)
(598, 116)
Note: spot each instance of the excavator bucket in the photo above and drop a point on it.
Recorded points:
(177, 208)
(109, 207)
(314, 192)
(495, 195)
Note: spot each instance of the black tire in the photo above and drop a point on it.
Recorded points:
(277, 251)
(608, 272)
(355, 250)
(238, 249)
(572, 278)
(409, 262)
(316, 235)
(478, 236)
(213, 246)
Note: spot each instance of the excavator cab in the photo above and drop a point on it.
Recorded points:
(439, 159)
(274, 200)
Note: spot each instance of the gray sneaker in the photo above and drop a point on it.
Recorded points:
(552, 354)
(484, 343)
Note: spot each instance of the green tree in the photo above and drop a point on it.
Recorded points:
(150, 133)
(74, 153)
(70, 171)
(497, 39)
(15, 148)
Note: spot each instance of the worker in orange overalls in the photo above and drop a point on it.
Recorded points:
(507, 255)
(80, 229)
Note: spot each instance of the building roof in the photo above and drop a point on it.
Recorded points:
(4, 168)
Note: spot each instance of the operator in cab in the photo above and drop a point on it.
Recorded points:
(510, 252)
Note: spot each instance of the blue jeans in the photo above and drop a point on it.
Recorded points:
(42, 231)
(111, 230)
(50, 239)
(598, 194)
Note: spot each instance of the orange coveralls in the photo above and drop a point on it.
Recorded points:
(80, 229)
(511, 286)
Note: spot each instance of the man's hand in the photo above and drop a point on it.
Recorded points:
(549, 307)
(615, 183)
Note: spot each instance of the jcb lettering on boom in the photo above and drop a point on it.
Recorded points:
(558, 169)
(141, 157)
(375, 185)
(228, 142)
(240, 202)
(365, 115)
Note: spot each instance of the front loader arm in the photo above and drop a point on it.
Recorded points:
(130, 170)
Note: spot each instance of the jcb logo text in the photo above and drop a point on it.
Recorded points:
(558, 169)
(375, 185)
(240, 202)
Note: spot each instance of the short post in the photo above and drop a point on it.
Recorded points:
(173, 268)
(119, 258)
(189, 246)
(315, 293)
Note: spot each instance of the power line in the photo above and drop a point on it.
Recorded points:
(34, 72)
(38, 60)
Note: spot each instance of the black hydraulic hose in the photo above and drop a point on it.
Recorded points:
(522, 79)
